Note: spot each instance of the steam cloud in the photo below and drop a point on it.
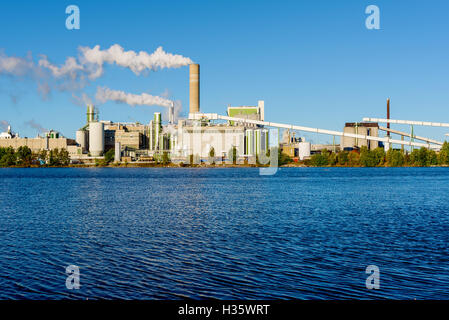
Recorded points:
(137, 62)
(91, 61)
(15, 66)
(78, 72)
(33, 124)
(4, 125)
(105, 94)
(75, 73)
(71, 68)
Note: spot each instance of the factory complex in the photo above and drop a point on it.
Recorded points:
(242, 133)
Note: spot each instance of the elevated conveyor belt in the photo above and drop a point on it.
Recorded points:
(215, 116)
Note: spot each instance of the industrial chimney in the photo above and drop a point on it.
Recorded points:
(194, 88)
(171, 113)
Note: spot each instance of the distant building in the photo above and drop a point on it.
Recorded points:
(362, 128)
(7, 135)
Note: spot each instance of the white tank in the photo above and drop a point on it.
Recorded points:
(249, 142)
(96, 139)
(81, 139)
(304, 150)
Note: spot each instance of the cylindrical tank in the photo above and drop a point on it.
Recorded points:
(151, 134)
(257, 141)
(264, 141)
(304, 150)
(81, 139)
(194, 88)
(249, 142)
(96, 139)
(118, 152)
(158, 142)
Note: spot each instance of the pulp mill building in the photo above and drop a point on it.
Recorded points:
(187, 137)
(243, 128)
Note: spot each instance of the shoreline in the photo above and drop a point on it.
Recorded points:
(227, 166)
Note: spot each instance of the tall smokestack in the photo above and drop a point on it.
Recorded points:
(194, 88)
(388, 116)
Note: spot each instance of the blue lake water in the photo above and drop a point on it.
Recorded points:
(158, 233)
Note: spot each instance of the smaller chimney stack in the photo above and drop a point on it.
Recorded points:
(171, 113)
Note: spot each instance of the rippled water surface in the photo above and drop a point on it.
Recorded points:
(306, 233)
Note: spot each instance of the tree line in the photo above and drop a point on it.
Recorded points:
(379, 158)
(24, 157)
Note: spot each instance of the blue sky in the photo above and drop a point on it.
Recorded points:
(313, 62)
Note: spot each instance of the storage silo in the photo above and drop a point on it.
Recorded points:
(81, 139)
(158, 142)
(264, 141)
(96, 139)
(304, 150)
(257, 141)
(249, 142)
(118, 152)
(151, 135)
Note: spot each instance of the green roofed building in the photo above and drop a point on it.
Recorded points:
(247, 112)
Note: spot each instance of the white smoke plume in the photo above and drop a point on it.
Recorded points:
(4, 125)
(137, 62)
(15, 66)
(77, 73)
(82, 100)
(33, 124)
(71, 68)
(105, 94)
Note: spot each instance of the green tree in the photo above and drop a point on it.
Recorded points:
(165, 158)
(395, 158)
(24, 156)
(354, 159)
(379, 154)
(367, 157)
(343, 158)
(211, 155)
(53, 158)
(319, 160)
(283, 158)
(43, 155)
(109, 156)
(443, 158)
(432, 158)
(233, 155)
(419, 157)
(332, 158)
(64, 157)
(8, 157)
